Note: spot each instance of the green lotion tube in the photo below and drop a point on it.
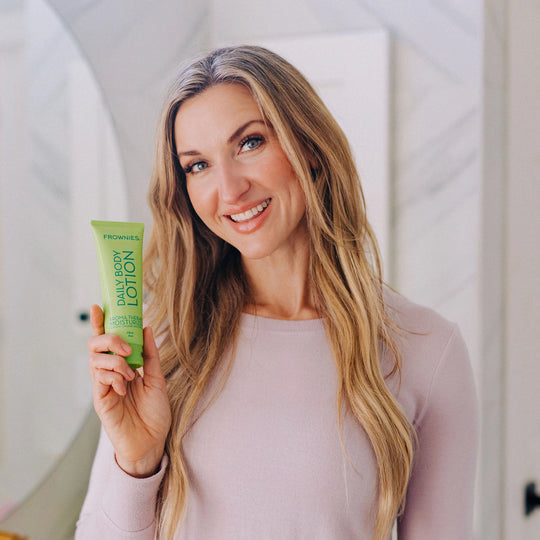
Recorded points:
(119, 252)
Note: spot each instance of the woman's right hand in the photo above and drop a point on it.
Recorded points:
(133, 409)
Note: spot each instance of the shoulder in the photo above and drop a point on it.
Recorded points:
(434, 356)
(421, 331)
(414, 318)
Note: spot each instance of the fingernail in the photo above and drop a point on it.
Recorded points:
(126, 348)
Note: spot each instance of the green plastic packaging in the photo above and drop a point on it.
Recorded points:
(119, 253)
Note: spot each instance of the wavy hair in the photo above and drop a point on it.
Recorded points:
(197, 288)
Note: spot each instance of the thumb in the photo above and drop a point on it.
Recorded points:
(152, 366)
(96, 320)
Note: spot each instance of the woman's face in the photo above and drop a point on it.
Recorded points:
(239, 180)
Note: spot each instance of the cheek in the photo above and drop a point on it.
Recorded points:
(198, 200)
(297, 196)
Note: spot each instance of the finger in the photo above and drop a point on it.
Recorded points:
(108, 343)
(111, 362)
(152, 366)
(96, 320)
(105, 380)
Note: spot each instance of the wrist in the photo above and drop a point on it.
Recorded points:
(142, 468)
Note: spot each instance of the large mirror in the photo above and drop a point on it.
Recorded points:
(59, 168)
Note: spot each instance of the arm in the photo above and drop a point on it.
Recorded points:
(440, 496)
(135, 416)
(118, 505)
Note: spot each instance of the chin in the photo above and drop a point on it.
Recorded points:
(253, 253)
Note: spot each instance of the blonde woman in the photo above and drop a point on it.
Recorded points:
(293, 395)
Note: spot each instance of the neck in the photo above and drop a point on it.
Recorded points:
(280, 286)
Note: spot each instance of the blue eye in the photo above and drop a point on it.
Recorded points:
(196, 167)
(251, 142)
(199, 166)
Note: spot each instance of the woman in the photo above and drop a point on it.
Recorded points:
(293, 394)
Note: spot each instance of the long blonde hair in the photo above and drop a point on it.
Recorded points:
(197, 288)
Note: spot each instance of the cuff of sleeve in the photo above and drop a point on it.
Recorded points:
(129, 502)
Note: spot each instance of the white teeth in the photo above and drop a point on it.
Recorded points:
(248, 214)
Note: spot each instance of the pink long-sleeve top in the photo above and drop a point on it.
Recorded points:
(265, 459)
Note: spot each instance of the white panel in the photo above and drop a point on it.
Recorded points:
(522, 268)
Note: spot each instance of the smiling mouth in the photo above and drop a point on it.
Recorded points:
(251, 213)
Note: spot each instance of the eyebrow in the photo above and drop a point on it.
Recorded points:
(234, 136)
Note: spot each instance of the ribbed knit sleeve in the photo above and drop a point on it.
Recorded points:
(440, 497)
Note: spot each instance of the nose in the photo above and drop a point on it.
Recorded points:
(233, 183)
